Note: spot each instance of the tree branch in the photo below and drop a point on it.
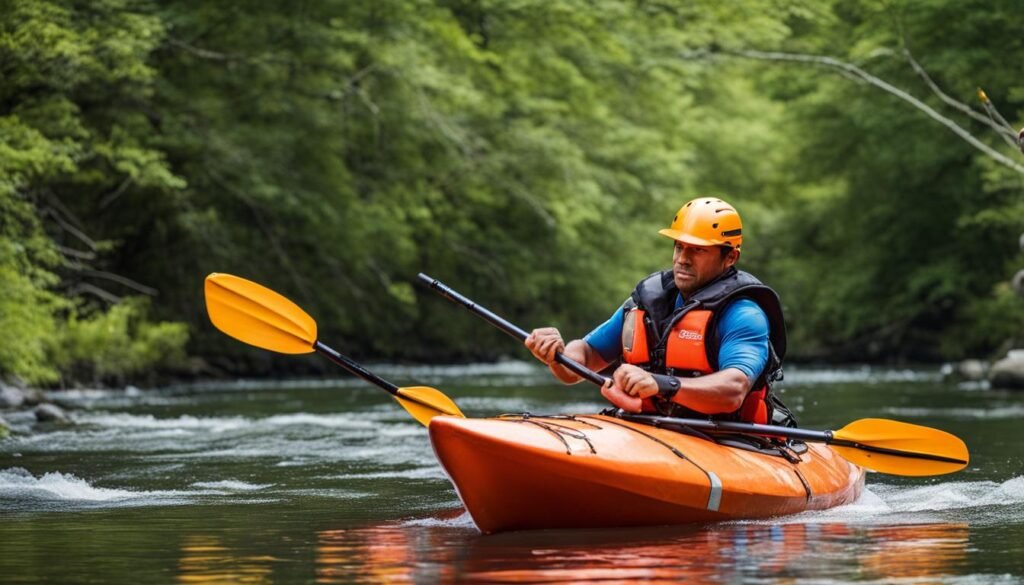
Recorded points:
(75, 253)
(1006, 132)
(113, 195)
(85, 287)
(87, 271)
(859, 73)
(122, 280)
(66, 226)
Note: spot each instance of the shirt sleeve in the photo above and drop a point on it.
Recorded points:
(606, 338)
(743, 334)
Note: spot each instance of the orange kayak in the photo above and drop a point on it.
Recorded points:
(588, 471)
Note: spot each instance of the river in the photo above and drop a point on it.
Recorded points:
(328, 481)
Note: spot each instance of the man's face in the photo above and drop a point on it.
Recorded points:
(695, 266)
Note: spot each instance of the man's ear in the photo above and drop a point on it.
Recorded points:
(732, 257)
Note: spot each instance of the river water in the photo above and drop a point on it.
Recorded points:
(329, 481)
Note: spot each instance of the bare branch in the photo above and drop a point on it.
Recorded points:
(122, 280)
(88, 271)
(85, 287)
(993, 112)
(224, 57)
(204, 53)
(57, 205)
(66, 226)
(113, 195)
(850, 68)
(1006, 132)
(75, 253)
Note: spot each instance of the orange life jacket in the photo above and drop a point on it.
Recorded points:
(686, 344)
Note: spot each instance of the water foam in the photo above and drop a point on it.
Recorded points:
(223, 424)
(18, 482)
(463, 520)
(923, 503)
(231, 485)
(431, 472)
(953, 495)
(21, 490)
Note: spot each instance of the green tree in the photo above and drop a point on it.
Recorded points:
(74, 136)
(896, 231)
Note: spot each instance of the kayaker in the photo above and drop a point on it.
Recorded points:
(699, 339)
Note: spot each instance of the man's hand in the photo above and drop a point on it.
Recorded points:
(628, 387)
(616, 396)
(545, 343)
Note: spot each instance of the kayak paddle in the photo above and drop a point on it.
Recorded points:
(887, 446)
(516, 332)
(256, 315)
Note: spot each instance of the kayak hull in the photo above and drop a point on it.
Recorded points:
(594, 471)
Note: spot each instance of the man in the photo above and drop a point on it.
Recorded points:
(700, 340)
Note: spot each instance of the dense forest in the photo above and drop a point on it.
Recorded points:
(523, 151)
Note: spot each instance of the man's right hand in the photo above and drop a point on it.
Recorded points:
(545, 343)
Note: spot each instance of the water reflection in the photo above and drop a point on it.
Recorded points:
(917, 552)
(207, 560)
(396, 552)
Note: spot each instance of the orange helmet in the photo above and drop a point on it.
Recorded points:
(707, 221)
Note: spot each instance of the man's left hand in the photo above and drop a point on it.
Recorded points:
(628, 387)
(635, 382)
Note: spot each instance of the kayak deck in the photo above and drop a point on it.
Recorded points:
(587, 471)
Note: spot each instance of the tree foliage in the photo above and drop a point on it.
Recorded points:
(524, 151)
(899, 232)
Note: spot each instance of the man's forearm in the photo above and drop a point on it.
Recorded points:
(578, 351)
(716, 393)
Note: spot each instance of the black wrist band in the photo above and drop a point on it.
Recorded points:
(667, 385)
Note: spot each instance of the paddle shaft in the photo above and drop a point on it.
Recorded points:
(355, 368)
(509, 328)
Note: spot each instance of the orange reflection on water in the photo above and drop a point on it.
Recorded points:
(206, 560)
(384, 554)
(396, 553)
(917, 552)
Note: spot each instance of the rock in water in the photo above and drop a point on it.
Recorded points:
(50, 413)
(11, 397)
(1008, 372)
(966, 371)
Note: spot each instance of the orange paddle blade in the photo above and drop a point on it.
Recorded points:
(900, 448)
(256, 315)
(424, 403)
